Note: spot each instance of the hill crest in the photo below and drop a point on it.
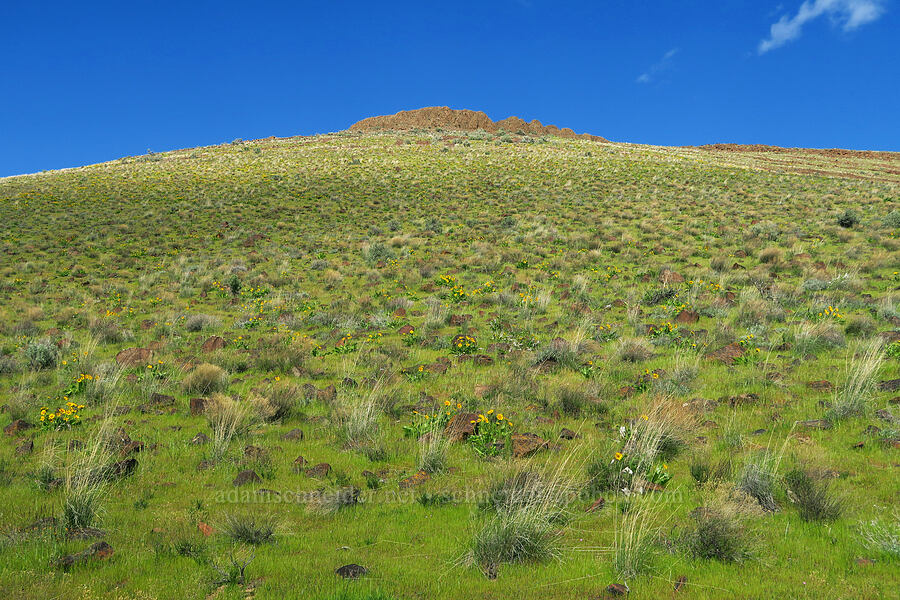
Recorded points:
(433, 117)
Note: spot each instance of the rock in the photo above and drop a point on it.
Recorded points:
(890, 337)
(687, 316)
(742, 399)
(526, 444)
(406, 330)
(122, 468)
(41, 524)
(200, 439)
(85, 533)
(461, 426)
(885, 415)
(205, 529)
(617, 589)
(483, 360)
(198, 406)
(253, 453)
(891, 385)
(457, 320)
(131, 447)
(327, 395)
(17, 427)
(567, 434)
(727, 354)
(415, 479)
(596, 505)
(298, 464)
(822, 385)
(245, 477)
(96, 551)
(318, 471)
(438, 368)
(351, 571)
(25, 447)
(481, 391)
(293, 435)
(668, 277)
(161, 399)
(131, 357)
(213, 343)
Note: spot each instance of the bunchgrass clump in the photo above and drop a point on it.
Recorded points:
(330, 501)
(227, 418)
(528, 509)
(634, 350)
(635, 542)
(433, 449)
(814, 499)
(205, 379)
(704, 470)
(716, 536)
(757, 479)
(853, 396)
(254, 529)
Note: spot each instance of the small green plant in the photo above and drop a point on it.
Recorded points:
(234, 572)
(848, 219)
(64, 417)
(234, 285)
(431, 422)
(492, 434)
(892, 350)
(463, 344)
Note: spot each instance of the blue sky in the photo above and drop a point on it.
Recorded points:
(86, 82)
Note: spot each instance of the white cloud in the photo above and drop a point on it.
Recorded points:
(660, 65)
(848, 14)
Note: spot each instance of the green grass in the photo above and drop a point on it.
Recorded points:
(308, 256)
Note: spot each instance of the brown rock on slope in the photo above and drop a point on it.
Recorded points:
(463, 120)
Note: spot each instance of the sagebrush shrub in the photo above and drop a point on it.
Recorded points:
(41, 354)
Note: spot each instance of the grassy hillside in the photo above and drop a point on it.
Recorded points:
(705, 339)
